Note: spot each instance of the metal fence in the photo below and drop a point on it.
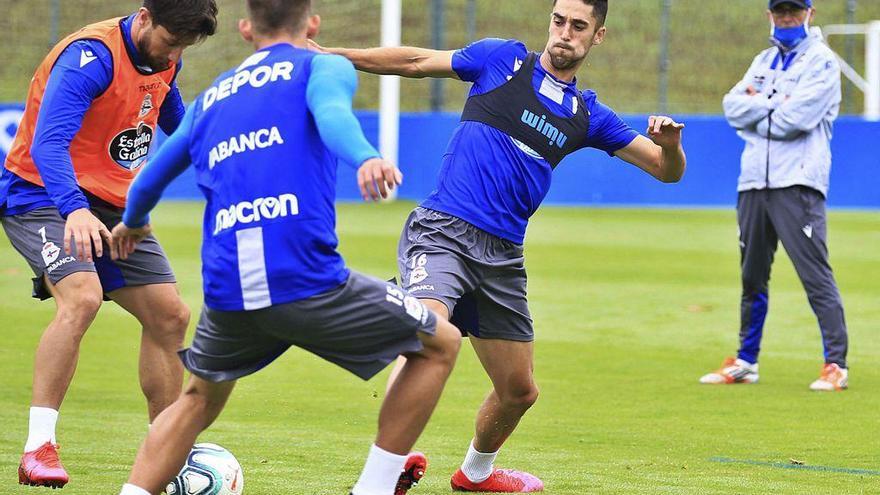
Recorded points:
(679, 56)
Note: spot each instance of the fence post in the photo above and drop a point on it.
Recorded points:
(471, 20)
(389, 86)
(438, 42)
(849, 54)
(54, 15)
(663, 87)
(872, 75)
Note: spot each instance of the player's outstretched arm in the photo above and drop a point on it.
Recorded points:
(662, 156)
(331, 88)
(406, 61)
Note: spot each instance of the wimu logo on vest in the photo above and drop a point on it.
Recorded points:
(541, 125)
(263, 138)
(247, 212)
(130, 147)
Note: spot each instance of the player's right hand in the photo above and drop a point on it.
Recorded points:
(125, 238)
(376, 177)
(84, 230)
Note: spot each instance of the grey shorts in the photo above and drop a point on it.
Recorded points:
(481, 278)
(361, 326)
(38, 236)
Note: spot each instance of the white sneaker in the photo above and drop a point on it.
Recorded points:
(833, 378)
(732, 371)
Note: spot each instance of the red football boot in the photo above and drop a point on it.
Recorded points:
(413, 470)
(42, 467)
(500, 481)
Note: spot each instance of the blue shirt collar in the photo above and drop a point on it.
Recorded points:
(271, 47)
(571, 85)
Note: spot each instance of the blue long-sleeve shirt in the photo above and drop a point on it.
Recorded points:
(329, 94)
(74, 82)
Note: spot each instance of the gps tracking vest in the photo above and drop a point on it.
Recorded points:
(118, 128)
(513, 109)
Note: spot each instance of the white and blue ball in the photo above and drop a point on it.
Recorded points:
(209, 470)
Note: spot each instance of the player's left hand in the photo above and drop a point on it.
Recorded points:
(664, 131)
(125, 239)
(376, 177)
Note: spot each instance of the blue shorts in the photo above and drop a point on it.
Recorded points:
(38, 235)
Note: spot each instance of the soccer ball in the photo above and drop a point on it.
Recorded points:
(209, 470)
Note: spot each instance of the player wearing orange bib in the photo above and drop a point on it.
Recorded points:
(93, 109)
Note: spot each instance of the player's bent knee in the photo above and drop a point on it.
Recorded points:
(445, 343)
(522, 396)
(79, 308)
(179, 320)
(182, 315)
(531, 397)
(170, 326)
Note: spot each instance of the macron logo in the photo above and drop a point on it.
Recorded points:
(85, 57)
(257, 210)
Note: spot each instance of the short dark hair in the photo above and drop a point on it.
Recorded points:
(272, 16)
(600, 10)
(185, 19)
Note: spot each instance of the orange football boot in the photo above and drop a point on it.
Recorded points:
(42, 467)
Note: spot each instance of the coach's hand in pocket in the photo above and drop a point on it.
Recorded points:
(125, 239)
(376, 177)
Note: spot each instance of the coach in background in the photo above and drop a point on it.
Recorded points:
(92, 111)
(784, 109)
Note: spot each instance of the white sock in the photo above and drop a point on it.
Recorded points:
(133, 490)
(41, 427)
(380, 474)
(477, 466)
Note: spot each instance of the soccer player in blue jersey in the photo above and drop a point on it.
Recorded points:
(461, 249)
(264, 140)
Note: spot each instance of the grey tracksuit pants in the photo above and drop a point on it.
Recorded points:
(796, 216)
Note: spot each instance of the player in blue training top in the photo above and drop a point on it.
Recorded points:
(264, 140)
(461, 249)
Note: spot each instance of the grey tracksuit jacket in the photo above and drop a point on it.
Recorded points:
(787, 127)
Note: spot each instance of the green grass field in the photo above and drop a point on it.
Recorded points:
(631, 307)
